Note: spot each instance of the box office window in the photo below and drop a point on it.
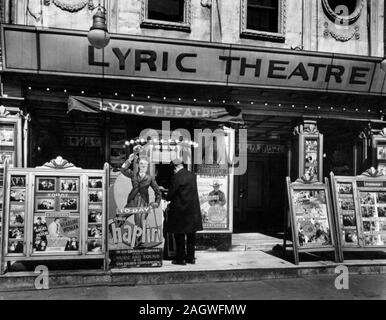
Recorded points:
(263, 19)
(166, 14)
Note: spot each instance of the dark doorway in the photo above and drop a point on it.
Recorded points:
(259, 195)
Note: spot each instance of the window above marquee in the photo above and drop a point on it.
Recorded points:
(166, 14)
(263, 19)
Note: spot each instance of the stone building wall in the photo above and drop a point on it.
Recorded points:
(307, 27)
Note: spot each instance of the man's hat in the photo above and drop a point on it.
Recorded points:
(216, 184)
(175, 162)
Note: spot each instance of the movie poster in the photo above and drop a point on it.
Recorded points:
(135, 232)
(212, 184)
(56, 225)
(311, 218)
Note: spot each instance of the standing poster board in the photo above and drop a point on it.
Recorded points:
(360, 206)
(130, 245)
(56, 211)
(311, 219)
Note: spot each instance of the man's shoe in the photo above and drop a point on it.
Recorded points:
(179, 262)
(190, 261)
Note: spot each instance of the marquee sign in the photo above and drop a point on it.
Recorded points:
(50, 51)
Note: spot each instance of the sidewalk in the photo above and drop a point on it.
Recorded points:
(211, 267)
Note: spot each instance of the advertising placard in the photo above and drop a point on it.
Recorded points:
(135, 236)
(213, 191)
(312, 224)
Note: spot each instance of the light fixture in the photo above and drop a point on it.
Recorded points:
(98, 36)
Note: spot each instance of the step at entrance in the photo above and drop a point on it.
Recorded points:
(254, 242)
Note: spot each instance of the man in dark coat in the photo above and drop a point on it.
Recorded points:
(184, 215)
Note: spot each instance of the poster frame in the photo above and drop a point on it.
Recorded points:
(72, 172)
(314, 185)
(365, 177)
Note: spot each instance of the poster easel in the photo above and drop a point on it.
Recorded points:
(360, 211)
(311, 218)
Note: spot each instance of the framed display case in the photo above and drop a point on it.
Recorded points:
(311, 217)
(360, 211)
(11, 142)
(56, 211)
(379, 152)
(308, 151)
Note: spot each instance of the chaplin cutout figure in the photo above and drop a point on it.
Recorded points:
(139, 195)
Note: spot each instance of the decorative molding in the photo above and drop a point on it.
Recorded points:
(59, 163)
(308, 179)
(263, 35)
(206, 3)
(71, 5)
(372, 173)
(308, 127)
(159, 24)
(4, 112)
(340, 37)
(343, 20)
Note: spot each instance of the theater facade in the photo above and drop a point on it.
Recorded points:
(267, 96)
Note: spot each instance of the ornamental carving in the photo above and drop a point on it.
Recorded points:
(34, 7)
(372, 173)
(4, 112)
(308, 179)
(59, 163)
(309, 127)
(339, 35)
(71, 5)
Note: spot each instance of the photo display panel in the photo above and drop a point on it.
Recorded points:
(372, 200)
(360, 205)
(7, 144)
(17, 214)
(347, 216)
(56, 223)
(95, 214)
(311, 154)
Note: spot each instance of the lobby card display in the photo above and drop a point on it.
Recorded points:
(311, 217)
(135, 236)
(95, 215)
(56, 220)
(17, 215)
(213, 191)
(346, 209)
(362, 214)
(379, 153)
(308, 153)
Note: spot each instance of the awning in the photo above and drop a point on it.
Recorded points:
(153, 109)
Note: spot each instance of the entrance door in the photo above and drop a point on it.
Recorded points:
(259, 195)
